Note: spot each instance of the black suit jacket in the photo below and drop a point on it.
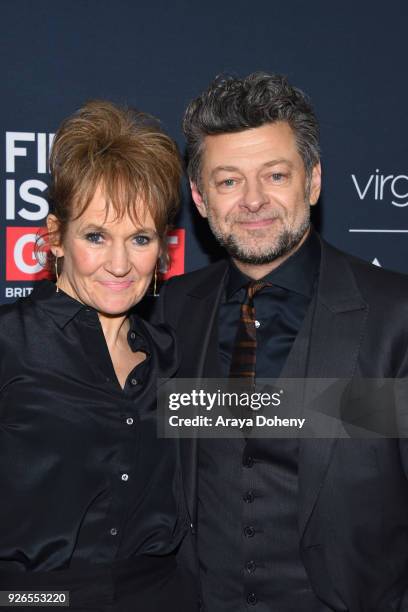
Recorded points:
(353, 494)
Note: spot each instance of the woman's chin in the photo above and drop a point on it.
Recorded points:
(116, 307)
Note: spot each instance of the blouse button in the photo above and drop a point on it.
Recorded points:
(134, 382)
(129, 421)
(132, 335)
(252, 599)
(248, 497)
(248, 461)
(249, 532)
(113, 531)
(125, 477)
(257, 324)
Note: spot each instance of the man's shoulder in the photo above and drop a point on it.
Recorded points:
(178, 290)
(372, 280)
(212, 273)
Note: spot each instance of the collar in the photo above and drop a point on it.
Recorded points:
(61, 307)
(297, 273)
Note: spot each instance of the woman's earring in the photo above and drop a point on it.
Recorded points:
(155, 294)
(56, 274)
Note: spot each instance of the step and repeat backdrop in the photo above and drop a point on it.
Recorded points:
(349, 57)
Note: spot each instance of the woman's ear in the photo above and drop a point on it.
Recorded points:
(54, 236)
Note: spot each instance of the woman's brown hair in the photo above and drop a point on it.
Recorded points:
(124, 151)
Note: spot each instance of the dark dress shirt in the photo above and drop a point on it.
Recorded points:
(247, 539)
(279, 309)
(85, 481)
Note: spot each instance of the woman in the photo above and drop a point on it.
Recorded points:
(91, 498)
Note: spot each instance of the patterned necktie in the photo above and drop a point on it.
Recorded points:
(243, 358)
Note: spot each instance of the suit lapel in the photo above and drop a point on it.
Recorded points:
(296, 362)
(337, 328)
(199, 346)
(198, 326)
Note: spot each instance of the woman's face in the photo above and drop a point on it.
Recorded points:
(108, 263)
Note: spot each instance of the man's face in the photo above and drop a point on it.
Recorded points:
(255, 194)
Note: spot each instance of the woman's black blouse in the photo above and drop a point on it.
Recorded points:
(83, 475)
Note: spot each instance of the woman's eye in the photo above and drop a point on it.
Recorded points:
(141, 240)
(94, 237)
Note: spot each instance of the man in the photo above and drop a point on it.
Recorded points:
(286, 525)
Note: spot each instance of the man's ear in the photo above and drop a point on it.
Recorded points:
(198, 199)
(315, 184)
(53, 228)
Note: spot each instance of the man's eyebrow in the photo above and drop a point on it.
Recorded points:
(267, 164)
(274, 162)
(225, 169)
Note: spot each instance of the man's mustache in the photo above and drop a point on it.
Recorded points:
(253, 218)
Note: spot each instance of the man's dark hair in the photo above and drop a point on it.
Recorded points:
(233, 105)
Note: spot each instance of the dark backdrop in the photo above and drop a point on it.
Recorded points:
(349, 56)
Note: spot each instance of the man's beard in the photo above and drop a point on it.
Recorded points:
(284, 243)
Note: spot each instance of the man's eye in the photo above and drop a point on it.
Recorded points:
(142, 240)
(94, 237)
(228, 183)
(277, 177)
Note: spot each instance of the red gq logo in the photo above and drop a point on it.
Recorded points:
(22, 264)
(176, 244)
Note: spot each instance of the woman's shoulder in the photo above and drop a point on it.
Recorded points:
(14, 327)
(23, 306)
(11, 313)
(25, 319)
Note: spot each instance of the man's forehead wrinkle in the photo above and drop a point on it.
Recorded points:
(272, 138)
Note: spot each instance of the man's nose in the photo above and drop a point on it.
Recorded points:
(118, 262)
(254, 196)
